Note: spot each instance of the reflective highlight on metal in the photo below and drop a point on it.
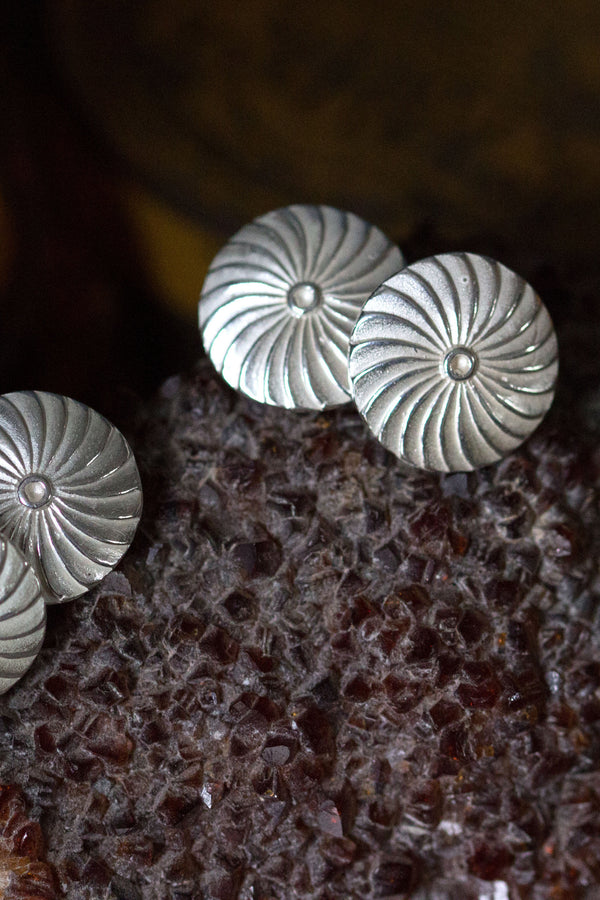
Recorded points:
(280, 300)
(70, 491)
(453, 362)
(22, 615)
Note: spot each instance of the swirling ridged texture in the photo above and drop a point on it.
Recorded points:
(22, 615)
(259, 343)
(398, 353)
(89, 521)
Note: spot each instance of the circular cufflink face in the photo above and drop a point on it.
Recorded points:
(453, 362)
(280, 300)
(22, 615)
(70, 491)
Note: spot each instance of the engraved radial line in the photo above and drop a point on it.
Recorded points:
(3, 551)
(516, 388)
(491, 369)
(243, 287)
(518, 296)
(343, 236)
(274, 309)
(94, 479)
(114, 531)
(332, 347)
(58, 556)
(19, 654)
(51, 454)
(493, 305)
(288, 276)
(395, 385)
(31, 604)
(76, 503)
(419, 423)
(311, 248)
(276, 339)
(410, 300)
(9, 439)
(346, 266)
(56, 456)
(395, 331)
(477, 428)
(438, 303)
(315, 274)
(109, 437)
(418, 395)
(280, 281)
(272, 330)
(337, 321)
(26, 430)
(517, 336)
(396, 361)
(19, 581)
(487, 400)
(298, 228)
(498, 357)
(450, 430)
(242, 302)
(455, 300)
(356, 298)
(434, 423)
(13, 472)
(273, 233)
(43, 441)
(336, 335)
(277, 312)
(6, 443)
(348, 310)
(276, 370)
(10, 515)
(313, 360)
(424, 370)
(78, 454)
(475, 289)
(370, 265)
(296, 373)
(286, 362)
(305, 372)
(381, 343)
(495, 436)
(63, 523)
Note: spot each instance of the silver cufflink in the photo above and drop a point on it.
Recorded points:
(281, 298)
(70, 503)
(452, 361)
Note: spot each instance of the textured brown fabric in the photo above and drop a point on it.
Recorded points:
(314, 676)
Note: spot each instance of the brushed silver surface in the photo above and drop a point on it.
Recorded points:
(453, 362)
(22, 615)
(70, 491)
(281, 297)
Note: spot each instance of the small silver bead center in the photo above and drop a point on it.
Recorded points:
(460, 363)
(34, 491)
(303, 297)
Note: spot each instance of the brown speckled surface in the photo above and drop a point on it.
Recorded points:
(316, 677)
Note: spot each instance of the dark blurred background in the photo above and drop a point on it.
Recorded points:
(136, 136)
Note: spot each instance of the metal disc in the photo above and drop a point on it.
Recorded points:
(280, 300)
(22, 615)
(453, 362)
(70, 491)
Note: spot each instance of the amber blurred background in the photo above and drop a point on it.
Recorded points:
(136, 136)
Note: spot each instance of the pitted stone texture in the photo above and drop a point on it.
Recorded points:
(316, 677)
